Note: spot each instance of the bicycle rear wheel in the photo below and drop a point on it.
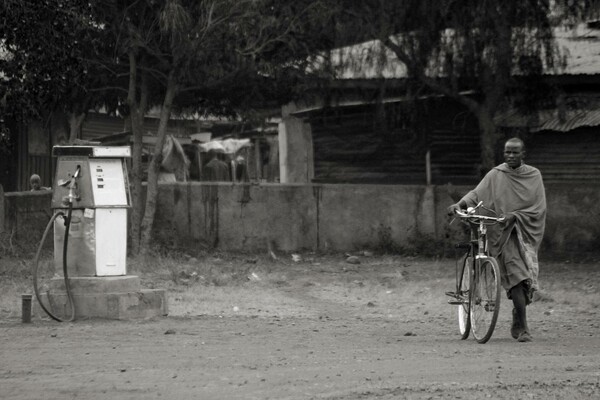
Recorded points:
(464, 323)
(485, 299)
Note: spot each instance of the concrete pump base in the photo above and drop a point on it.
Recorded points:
(114, 297)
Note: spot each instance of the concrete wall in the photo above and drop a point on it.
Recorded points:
(237, 216)
(346, 217)
(573, 222)
(315, 216)
(291, 217)
(295, 151)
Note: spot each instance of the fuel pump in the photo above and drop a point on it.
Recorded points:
(90, 201)
(92, 181)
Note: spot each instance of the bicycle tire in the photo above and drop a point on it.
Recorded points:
(463, 310)
(485, 299)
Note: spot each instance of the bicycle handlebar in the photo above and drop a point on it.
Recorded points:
(470, 214)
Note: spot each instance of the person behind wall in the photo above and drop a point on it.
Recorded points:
(216, 169)
(514, 190)
(239, 170)
(35, 182)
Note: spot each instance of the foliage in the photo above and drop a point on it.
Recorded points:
(6, 144)
(50, 57)
(385, 243)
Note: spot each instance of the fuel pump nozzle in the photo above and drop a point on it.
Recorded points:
(72, 185)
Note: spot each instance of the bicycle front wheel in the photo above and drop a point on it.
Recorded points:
(464, 324)
(485, 299)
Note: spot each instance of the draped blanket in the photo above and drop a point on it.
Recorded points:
(519, 192)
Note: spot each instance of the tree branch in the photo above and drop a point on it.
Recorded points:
(101, 89)
(434, 84)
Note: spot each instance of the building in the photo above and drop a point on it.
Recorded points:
(363, 134)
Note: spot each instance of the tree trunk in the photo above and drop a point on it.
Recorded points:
(154, 166)
(136, 177)
(137, 110)
(488, 138)
(75, 123)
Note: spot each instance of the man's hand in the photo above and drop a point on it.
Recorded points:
(453, 208)
(508, 218)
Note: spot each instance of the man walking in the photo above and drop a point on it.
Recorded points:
(516, 191)
(216, 169)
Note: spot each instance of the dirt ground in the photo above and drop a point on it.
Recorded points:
(316, 329)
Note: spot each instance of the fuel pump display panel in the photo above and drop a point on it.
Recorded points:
(108, 182)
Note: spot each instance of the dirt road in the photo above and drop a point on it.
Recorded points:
(342, 342)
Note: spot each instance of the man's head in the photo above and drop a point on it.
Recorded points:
(514, 151)
(212, 154)
(35, 182)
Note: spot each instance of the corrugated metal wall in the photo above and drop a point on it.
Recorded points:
(349, 146)
(566, 157)
(352, 146)
(43, 165)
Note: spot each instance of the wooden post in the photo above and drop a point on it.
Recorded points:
(1, 209)
(257, 160)
(428, 166)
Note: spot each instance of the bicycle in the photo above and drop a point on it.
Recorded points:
(478, 288)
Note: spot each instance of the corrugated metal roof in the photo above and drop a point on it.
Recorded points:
(371, 60)
(99, 125)
(581, 46)
(549, 120)
(567, 123)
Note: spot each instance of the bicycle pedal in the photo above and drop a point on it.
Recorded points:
(456, 302)
(489, 307)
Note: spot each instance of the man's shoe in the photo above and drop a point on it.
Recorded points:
(524, 337)
(515, 328)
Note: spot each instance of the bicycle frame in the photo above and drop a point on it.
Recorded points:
(476, 248)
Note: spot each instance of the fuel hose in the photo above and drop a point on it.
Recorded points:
(65, 273)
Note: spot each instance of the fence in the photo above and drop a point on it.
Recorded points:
(23, 218)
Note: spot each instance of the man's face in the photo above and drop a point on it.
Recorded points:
(513, 154)
(35, 184)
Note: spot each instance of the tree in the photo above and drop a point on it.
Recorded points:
(50, 60)
(219, 56)
(475, 52)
